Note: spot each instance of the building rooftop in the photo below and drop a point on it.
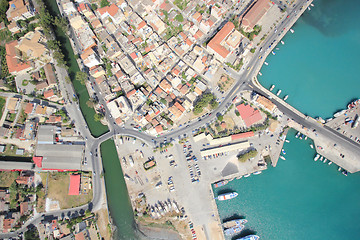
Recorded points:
(254, 14)
(249, 114)
(215, 43)
(74, 186)
(15, 65)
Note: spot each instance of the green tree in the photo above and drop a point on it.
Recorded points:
(104, 3)
(220, 118)
(98, 117)
(179, 18)
(81, 77)
(61, 23)
(94, 6)
(4, 6)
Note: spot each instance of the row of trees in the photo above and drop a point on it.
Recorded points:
(247, 155)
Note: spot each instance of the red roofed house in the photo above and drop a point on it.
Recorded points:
(74, 186)
(249, 114)
(15, 65)
(111, 11)
(49, 94)
(7, 224)
(216, 45)
(242, 135)
(253, 15)
(29, 108)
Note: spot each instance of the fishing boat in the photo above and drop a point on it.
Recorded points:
(233, 230)
(330, 162)
(282, 42)
(283, 151)
(292, 31)
(316, 157)
(278, 93)
(257, 172)
(273, 53)
(234, 223)
(272, 87)
(325, 160)
(249, 237)
(286, 97)
(221, 183)
(312, 146)
(297, 134)
(266, 63)
(227, 196)
(282, 157)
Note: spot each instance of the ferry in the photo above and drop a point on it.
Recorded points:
(286, 97)
(278, 93)
(272, 87)
(316, 157)
(321, 159)
(312, 146)
(325, 160)
(292, 31)
(282, 42)
(249, 237)
(297, 134)
(266, 63)
(330, 162)
(273, 53)
(257, 172)
(221, 183)
(283, 151)
(227, 196)
(247, 175)
(234, 223)
(233, 230)
(282, 157)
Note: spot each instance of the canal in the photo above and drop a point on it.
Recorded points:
(96, 128)
(117, 195)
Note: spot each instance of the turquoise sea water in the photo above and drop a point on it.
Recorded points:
(302, 199)
(318, 67)
(298, 199)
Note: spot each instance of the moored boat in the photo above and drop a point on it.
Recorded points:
(306, 137)
(257, 172)
(316, 157)
(282, 157)
(339, 169)
(227, 196)
(330, 162)
(260, 73)
(321, 158)
(273, 53)
(249, 237)
(278, 93)
(286, 97)
(282, 42)
(292, 31)
(297, 134)
(312, 146)
(283, 151)
(233, 230)
(272, 87)
(286, 140)
(247, 175)
(325, 160)
(266, 63)
(233, 223)
(221, 183)
(345, 173)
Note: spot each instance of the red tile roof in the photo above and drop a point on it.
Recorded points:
(249, 114)
(14, 64)
(255, 13)
(28, 108)
(242, 135)
(214, 44)
(74, 187)
(141, 25)
(49, 93)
